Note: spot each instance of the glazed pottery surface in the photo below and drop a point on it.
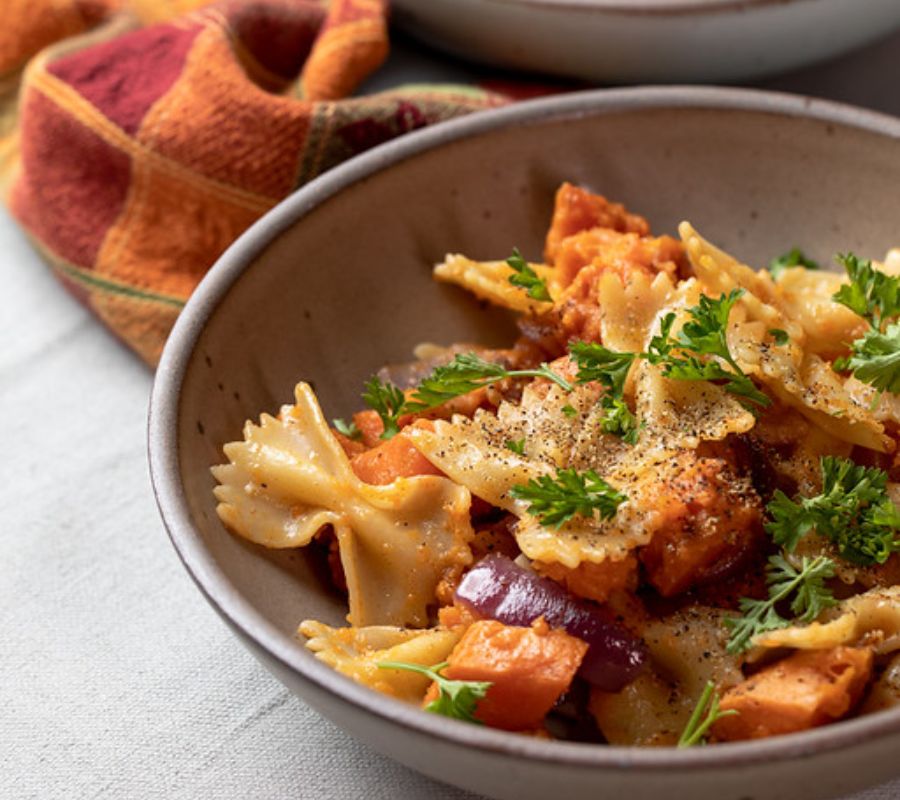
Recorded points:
(662, 41)
(336, 281)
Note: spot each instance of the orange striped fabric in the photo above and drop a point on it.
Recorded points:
(139, 138)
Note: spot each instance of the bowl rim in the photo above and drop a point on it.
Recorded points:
(641, 8)
(163, 447)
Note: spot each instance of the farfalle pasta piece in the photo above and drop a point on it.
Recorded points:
(290, 476)
(819, 393)
(628, 309)
(885, 691)
(883, 406)
(798, 378)
(552, 435)
(682, 414)
(489, 280)
(806, 296)
(871, 618)
(678, 414)
(357, 652)
(471, 453)
(720, 272)
(687, 649)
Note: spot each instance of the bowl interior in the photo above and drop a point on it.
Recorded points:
(347, 286)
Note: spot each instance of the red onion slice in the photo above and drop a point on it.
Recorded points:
(497, 588)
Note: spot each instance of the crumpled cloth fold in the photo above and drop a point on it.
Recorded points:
(139, 139)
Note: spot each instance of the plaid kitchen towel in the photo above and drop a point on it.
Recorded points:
(148, 134)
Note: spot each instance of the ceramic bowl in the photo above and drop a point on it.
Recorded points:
(660, 41)
(337, 280)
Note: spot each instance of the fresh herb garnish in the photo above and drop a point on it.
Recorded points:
(682, 356)
(388, 401)
(781, 337)
(706, 714)
(704, 335)
(598, 363)
(347, 429)
(526, 278)
(873, 295)
(853, 511)
(516, 445)
(456, 699)
(464, 374)
(569, 411)
(619, 420)
(793, 258)
(875, 359)
(555, 500)
(610, 369)
(810, 598)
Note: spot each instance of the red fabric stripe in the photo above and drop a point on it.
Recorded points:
(73, 184)
(278, 34)
(127, 75)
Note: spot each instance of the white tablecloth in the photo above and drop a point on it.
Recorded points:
(117, 679)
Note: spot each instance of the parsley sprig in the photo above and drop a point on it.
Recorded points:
(468, 372)
(809, 597)
(464, 374)
(875, 296)
(555, 500)
(388, 401)
(619, 420)
(526, 278)
(704, 335)
(456, 699)
(517, 446)
(348, 429)
(706, 714)
(780, 336)
(875, 359)
(610, 369)
(794, 257)
(853, 511)
(698, 352)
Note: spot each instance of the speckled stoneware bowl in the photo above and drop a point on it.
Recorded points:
(663, 41)
(336, 280)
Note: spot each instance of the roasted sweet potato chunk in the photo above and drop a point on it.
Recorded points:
(576, 209)
(370, 426)
(807, 689)
(594, 581)
(391, 459)
(588, 253)
(582, 261)
(530, 668)
(710, 522)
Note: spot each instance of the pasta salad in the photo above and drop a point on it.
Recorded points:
(665, 515)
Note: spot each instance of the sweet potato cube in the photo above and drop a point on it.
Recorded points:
(530, 668)
(594, 581)
(807, 689)
(576, 209)
(391, 459)
(370, 426)
(710, 522)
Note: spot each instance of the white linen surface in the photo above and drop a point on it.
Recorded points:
(117, 680)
